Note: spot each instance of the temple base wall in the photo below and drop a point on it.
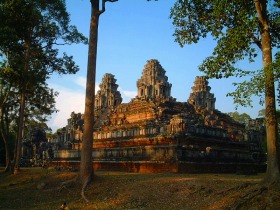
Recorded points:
(160, 167)
(185, 154)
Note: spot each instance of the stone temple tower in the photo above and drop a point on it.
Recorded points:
(201, 97)
(108, 95)
(153, 84)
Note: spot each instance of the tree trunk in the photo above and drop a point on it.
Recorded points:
(4, 126)
(86, 165)
(8, 156)
(18, 146)
(4, 129)
(272, 172)
(19, 134)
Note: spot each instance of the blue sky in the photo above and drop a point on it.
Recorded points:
(130, 33)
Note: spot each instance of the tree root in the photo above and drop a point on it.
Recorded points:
(85, 185)
(248, 197)
(237, 188)
(64, 187)
(65, 184)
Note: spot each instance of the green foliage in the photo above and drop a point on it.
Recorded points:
(30, 33)
(41, 25)
(261, 113)
(34, 29)
(241, 118)
(245, 89)
(236, 28)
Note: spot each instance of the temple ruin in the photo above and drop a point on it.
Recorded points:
(201, 98)
(153, 84)
(108, 95)
(154, 132)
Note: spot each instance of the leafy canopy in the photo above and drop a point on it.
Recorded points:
(30, 35)
(41, 25)
(236, 28)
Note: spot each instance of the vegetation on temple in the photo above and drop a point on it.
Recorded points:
(30, 32)
(241, 118)
(241, 29)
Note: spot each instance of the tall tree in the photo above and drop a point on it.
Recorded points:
(30, 30)
(86, 165)
(241, 28)
(8, 102)
(40, 103)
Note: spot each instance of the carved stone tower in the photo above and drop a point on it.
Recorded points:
(201, 97)
(153, 84)
(108, 95)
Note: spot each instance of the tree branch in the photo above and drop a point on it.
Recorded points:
(260, 6)
(103, 5)
(256, 40)
(56, 43)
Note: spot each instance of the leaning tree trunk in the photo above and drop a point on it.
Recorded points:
(272, 172)
(86, 165)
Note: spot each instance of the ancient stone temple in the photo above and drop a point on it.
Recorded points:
(108, 96)
(154, 132)
(201, 97)
(153, 84)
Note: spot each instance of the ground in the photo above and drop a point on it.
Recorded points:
(37, 188)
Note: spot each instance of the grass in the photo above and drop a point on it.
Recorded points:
(23, 191)
(37, 188)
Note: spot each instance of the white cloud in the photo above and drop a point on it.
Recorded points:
(81, 81)
(96, 88)
(73, 100)
(66, 102)
(131, 94)
(69, 100)
(128, 95)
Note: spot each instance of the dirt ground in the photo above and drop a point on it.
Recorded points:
(38, 188)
